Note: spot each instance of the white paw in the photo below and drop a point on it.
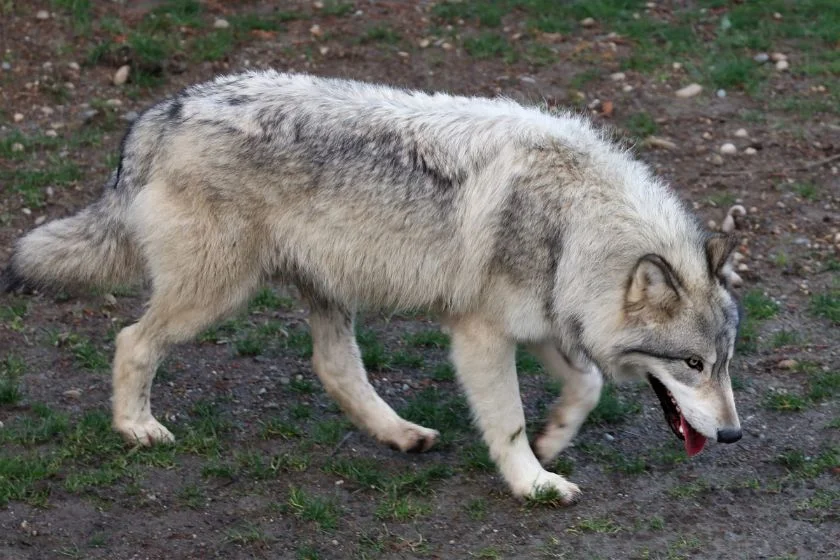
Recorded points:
(551, 442)
(411, 438)
(144, 433)
(568, 492)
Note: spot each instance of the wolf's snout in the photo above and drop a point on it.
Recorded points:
(729, 435)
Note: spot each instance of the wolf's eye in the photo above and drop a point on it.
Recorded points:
(695, 363)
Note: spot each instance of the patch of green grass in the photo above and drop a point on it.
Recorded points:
(337, 9)
(428, 339)
(579, 80)
(407, 359)
(785, 402)
(759, 306)
(827, 305)
(418, 482)
(363, 471)
(248, 535)
(822, 499)
(374, 355)
(267, 300)
(808, 191)
(12, 369)
(23, 478)
(721, 200)
(192, 496)
(611, 408)
(79, 10)
(641, 124)
(443, 372)
(213, 46)
(824, 385)
(263, 22)
(527, 363)
(30, 183)
(475, 456)
(323, 511)
(490, 45)
(488, 553)
(603, 525)
(785, 337)
(802, 466)
(486, 13)
(444, 410)
(735, 72)
(86, 354)
(329, 432)
(400, 508)
(380, 34)
(689, 489)
(277, 428)
(39, 428)
(545, 496)
(476, 509)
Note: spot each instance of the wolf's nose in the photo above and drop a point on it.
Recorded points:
(729, 435)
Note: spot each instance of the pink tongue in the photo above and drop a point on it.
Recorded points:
(694, 441)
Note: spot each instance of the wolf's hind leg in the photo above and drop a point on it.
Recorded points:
(175, 315)
(337, 361)
(486, 365)
(581, 391)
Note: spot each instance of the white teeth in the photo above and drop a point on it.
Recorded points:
(681, 430)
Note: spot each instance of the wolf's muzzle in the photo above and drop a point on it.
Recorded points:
(729, 435)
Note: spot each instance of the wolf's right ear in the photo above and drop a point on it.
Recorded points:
(718, 249)
(652, 293)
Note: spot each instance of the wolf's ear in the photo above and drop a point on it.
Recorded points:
(719, 247)
(652, 290)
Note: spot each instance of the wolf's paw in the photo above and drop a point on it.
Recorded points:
(411, 438)
(551, 442)
(550, 487)
(144, 433)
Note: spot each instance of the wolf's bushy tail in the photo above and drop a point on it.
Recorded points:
(91, 248)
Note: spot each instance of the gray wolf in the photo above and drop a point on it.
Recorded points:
(514, 225)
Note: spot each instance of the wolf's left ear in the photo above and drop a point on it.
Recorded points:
(652, 291)
(719, 247)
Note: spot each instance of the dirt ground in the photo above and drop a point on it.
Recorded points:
(265, 466)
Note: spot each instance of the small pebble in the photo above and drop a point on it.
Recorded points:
(318, 5)
(323, 50)
(17, 147)
(26, 211)
(587, 22)
(130, 116)
(743, 267)
(728, 149)
(47, 110)
(51, 133)
(18, 117)
(761, 58)
(787, 364)
(42, 14)
(446, 46)
(716, 159)
(121, 75)
(113, 103)
(72, 393)
(741, 133)
(315, 30)
(689, 91)
(618, 76)
(221, 23)
(6, 66)
(782, 65)
(777, 56)
(74, 66)
(626, 88)
(750, 151)
(88, 115)
(423, 43)
(676, 65)
(40, 220)
(721, 93)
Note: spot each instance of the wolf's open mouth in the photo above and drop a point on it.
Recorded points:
(694, 440)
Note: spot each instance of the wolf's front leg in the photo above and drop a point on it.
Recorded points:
(486, 364)
(582, 385)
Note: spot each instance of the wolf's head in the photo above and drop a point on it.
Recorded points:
(679, 333)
